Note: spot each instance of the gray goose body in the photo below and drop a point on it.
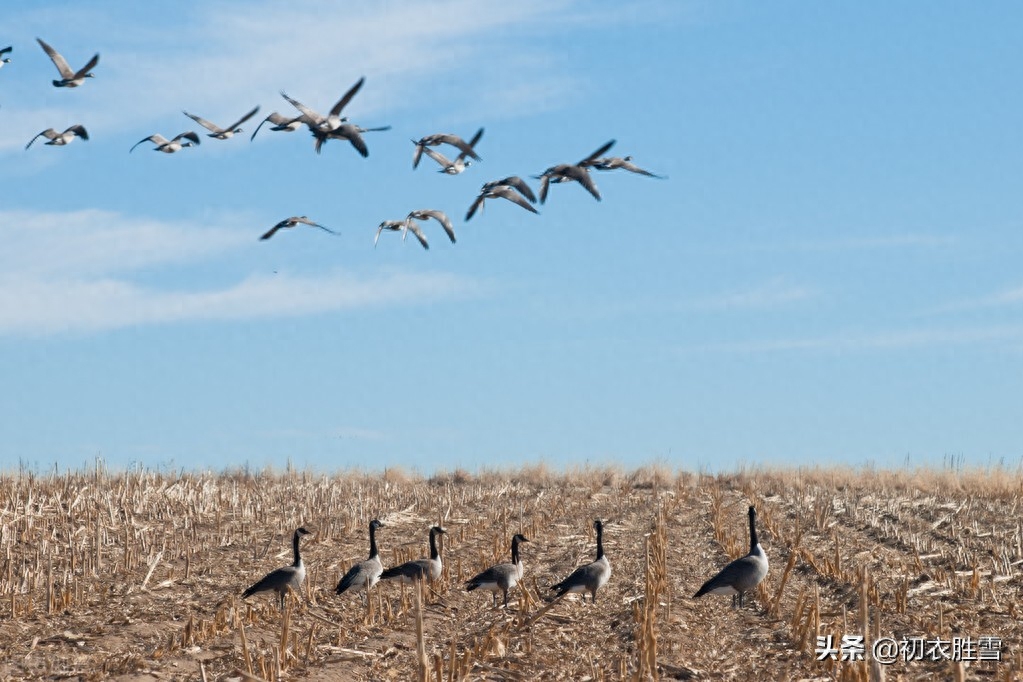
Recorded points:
(294, 220)
(502, 577)
(606, 163)
(445, 138)
(216, 131)
(365, 574)
(411, 571)
(516, 192)
(319, 123)
(743, 574)
(565, 172)
(68, 78)
(280, 123)
(169, 146)
(285, 577)
(588, 577)
(460, 163)
(61, 139)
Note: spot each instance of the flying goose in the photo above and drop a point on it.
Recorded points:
(623, 162)
(365, 574)
(392, 226)
(68, 78)
(331, 121)
(169, 146)
(346, 131)
(743, 574)
(280, 122)
(284, 577)
(589, 577)
(292, 222)
(218, 132)
(510, 191)
(411, 571)
(502, 577)
(459, 164)
(564, 172)
(443, 138)
(3, 58)
(439, 216)
(61, 139)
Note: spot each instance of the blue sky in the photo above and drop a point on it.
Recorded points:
(829, 274)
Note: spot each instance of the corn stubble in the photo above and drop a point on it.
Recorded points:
(107, 575)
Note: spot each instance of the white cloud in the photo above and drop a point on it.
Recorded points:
(69, 272)
(771, 294)
(906, 339)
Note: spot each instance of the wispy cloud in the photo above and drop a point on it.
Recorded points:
(71, 272)
(893, 340)
(1005, 298)
(771, 294)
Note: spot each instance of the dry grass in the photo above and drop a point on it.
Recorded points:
(134, 574)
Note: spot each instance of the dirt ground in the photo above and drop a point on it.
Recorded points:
(138, 575)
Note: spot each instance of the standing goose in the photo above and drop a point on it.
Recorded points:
(169, 146)
(332, 120)
(439, 216)
(292, 222)
(459, 164)
(411, 571)
(365, 574)
(284, 577)
(61, 139)
(589, 577)
(502, 191)
(623, 162)
(743, 574)
(68, 78)
(216, 131)
(280, 122)
(502, 577)
(565, 172)
(444, 138)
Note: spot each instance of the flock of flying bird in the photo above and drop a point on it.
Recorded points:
(738, 577)
(334, 126)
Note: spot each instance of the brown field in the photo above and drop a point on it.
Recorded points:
(138, 575)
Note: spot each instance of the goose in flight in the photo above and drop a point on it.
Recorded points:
(61, 139)
(459, 164)
(292, 222)
(216, 131)
(332, 120)
(565, 172)
(443, 138)
(623, 162)
(169, 146)
(390, 226)
(515, 192)
(346, 131)
(439, 216)
(68, 78)
(280, 122)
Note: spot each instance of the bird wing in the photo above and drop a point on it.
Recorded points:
(512, 196)
(418, 154)
(57, 59)
(306, 221)
(522, 186)
(347, 97)
(82, 72)
(212, 127)
(494, 574)
(472, 143)
(274, 229)
(351, 133)
(312, 118)
(156, 139)
(545, 183)
(413, 227)
(438, 157)
(78, 130)
(599, 152)
(190, 135)
(477, 203)
(583, 176)
(49, 133)
(243, 119)
(629, 166)
(6, 50)
(455, 140)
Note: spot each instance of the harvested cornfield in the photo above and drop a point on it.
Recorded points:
(138, 575)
